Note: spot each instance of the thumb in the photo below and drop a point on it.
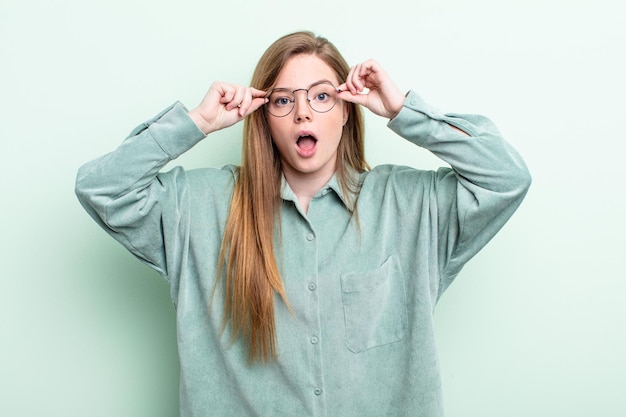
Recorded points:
(255, 104)
(357, 98)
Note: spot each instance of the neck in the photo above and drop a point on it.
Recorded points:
(305, 186)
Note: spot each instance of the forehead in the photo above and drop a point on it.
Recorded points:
(303, 70)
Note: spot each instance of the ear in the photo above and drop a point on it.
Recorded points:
(346, 112)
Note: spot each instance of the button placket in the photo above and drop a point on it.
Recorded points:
(303, 259)
(313, 339)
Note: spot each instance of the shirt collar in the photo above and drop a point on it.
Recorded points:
(348, 198)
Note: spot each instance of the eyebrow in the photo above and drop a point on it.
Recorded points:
(322, 81)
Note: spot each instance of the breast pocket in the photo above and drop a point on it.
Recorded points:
(374, 304)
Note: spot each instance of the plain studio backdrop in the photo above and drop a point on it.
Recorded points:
(534, 326)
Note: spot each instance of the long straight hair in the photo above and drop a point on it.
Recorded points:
(252, 277)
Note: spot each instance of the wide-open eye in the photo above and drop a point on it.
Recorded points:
(322, 96)
(280, 102)
(281, 98)
(322, 93)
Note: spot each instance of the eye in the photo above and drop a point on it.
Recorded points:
(322, 93)
(321, 97)
(281, 101)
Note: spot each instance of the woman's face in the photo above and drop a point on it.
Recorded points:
(307, 140)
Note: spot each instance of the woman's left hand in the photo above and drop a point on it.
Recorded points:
(384, 98)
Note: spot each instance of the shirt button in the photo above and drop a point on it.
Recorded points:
(314, 340)
(310, 237)
(318, 391)
(312, 286)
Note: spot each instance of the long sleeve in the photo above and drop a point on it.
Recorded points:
(124, 192)
(486, 184)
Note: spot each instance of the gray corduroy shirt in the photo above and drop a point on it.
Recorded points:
(361, 340)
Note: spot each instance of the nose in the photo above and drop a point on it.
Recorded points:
(302, 110)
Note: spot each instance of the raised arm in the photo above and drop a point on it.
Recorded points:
(487, 180)
(125, 191)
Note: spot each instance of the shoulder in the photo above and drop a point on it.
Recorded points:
(217, 179)
(200, 179)
(402, 182)
(401, 175)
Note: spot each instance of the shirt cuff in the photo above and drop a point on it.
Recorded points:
(415, 118)
(174, 130)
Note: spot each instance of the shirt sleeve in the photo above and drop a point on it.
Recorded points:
(486, 183)
(125, 192)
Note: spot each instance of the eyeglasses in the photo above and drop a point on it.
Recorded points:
(321, 96)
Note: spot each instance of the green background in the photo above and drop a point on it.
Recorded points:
(534, 326)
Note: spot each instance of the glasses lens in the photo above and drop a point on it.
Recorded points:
(280, 102)
(322, 97)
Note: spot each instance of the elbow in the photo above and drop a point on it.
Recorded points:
(518, 177)
(84, 188)
(524, 180)
(527, 178)
(80, 189)
(520, 183)
(82, 195)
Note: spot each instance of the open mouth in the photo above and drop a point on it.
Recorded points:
(306, 142)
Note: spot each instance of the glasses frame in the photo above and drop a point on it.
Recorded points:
(293, 93)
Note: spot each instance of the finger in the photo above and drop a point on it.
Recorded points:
(237, 99)
(246, 99)
(258, 93)
(356, 79)
(226, 94)
(245, 102)
(365, 74)
(369, 66)
(349, 84)
(252, 100)
(347, 95)
(361, 76)
(256, 104)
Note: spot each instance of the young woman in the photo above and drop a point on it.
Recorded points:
(304, 282)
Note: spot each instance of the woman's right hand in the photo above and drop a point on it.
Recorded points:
(226, 104)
